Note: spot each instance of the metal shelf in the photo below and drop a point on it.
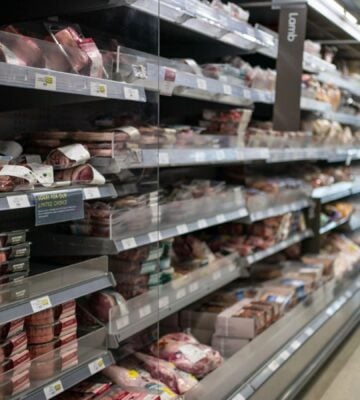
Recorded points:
(308, 104)
(61, 82)
(57, 244)
(277, 210)
(343, 118)
(16, 200)
(92, 358)
(152, 158)
(198, 17)
(335, 78)
(147, 309)
(253, 258)
(270, 363)
(332, 225)
(174, 157)
(339, 190)
(52, 288)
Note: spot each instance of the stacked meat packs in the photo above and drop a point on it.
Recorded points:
(14, 261)
(27, 347)
(64, 165)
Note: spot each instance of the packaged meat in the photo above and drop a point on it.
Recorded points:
(241, 321)
(11, 328)
(26, 49)
(13, 345)
(187, 354)
(37, 350)
(13, 252)
(12, 238)
(15, 362)
(16, 384)
(130, 379)
(89, 389)
(16, 277)
(46, 333)
(118, 393)
(100, 303)
(45, 367)
(51, 315)
(178, 381)
(82, 53)
(16, 177)
(68, 156)
(82, 174)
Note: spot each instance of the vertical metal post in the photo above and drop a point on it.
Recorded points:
(292, 29)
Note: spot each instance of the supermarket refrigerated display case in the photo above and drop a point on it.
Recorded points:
(153, 215)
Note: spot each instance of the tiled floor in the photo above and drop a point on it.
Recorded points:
(340, 377)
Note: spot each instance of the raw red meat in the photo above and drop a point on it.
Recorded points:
(187, 354)
(178, 381)
(80, 174)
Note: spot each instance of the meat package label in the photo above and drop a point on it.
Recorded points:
(61, 206)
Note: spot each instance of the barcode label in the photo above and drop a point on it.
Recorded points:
(181, 229)
(40, 304)
(131, 93)
(91, 193)
(163, 302)
(21, 201)
(145, 311)
(295, 344)
(201, 84)
(285, 355)
(216, 275)
(220, 218)
(200, 156)
(98, 89)
(53, 389)
(96, 366)
(122, 322)
(309, 331)
(180, 293)
(202, 224)
(128, 243)
(154, 236)
(273, 366)
(193, 287)
(220, 155)
(45, 82)
(163, 158)
(227, 90)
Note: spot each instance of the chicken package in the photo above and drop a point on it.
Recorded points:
(82, 174)
(68, 156)
(131, 379)
(178, 381)
(187, 354)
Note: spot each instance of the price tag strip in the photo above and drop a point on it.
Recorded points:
(53, 389)
(96, 366)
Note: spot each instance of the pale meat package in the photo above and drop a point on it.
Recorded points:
(187, 354)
